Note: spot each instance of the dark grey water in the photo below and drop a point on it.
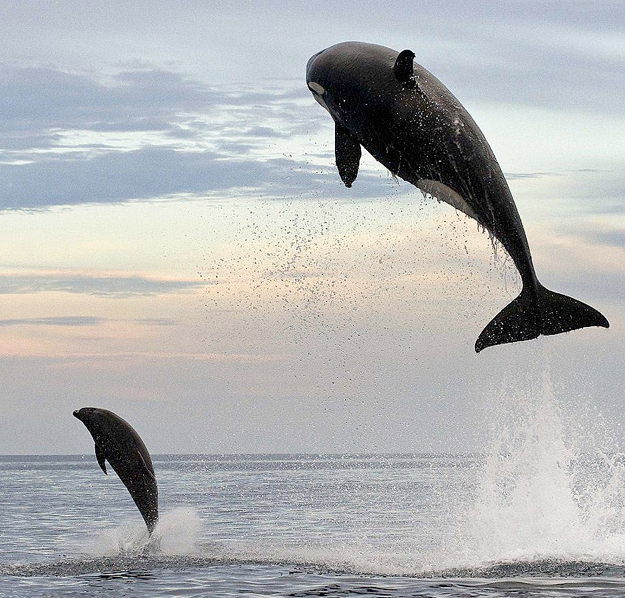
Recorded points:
(302, 525)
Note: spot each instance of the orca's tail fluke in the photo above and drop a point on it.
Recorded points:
(529, 316)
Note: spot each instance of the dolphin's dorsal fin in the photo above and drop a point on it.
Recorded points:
(404, 69)
(347, 152)
(100, 456)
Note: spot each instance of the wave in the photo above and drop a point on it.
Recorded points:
(538, 568)
(138, 566)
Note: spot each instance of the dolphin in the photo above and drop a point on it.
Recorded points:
(410, 122)
(117, 442)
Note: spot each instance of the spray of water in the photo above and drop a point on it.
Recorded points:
(176, 534)
(543, 495)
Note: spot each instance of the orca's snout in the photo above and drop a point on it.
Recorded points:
(310, 64)
(77, 414)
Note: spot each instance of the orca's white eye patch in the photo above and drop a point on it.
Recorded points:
(316, 88)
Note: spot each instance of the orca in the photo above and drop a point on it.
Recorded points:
(117, 442)
(382, 100)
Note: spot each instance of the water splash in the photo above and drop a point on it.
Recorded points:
(542, 494)
(176, 534)
(178, 530)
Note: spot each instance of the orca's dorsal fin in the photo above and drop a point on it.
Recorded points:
(404, 69)
(347, 151)
(100, 456)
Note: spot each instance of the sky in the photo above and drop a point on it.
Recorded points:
(177, 245)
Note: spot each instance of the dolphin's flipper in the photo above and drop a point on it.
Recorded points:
(100, 456)
(347, 151)
(525, 319)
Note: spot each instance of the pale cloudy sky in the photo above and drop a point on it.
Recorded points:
(178, 247)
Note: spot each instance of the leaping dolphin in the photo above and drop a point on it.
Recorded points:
(410, 122)
(117, 442)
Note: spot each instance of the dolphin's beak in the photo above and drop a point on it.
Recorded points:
(76, 414)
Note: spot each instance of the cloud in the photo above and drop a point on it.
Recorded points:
(606, 235)
(263, 132)
(154, 172)
(39, 102)
(79, 321)
(599, 287)
(54, 321)
(69, 360)
(515, 176)
(596, 191)
(43, 98)
(155, 321)
(72, 138)
(99, 285)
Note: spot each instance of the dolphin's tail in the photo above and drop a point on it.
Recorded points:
(151, 524)
(529, 316)
(149, 510)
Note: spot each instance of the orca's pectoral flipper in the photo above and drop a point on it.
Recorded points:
(347, 151)
(524, 318)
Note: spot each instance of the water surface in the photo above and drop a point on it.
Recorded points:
(297, 525)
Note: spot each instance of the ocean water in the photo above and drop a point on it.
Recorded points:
(539, 514)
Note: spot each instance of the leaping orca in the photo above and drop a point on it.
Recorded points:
(409, 121)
